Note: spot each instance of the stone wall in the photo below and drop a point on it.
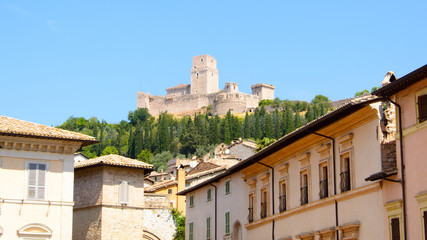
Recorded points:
(122, 223)
(159, 222)
(87, 223)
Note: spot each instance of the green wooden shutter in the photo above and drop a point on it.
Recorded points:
(227, 223)
(190, 232)
(208, 228)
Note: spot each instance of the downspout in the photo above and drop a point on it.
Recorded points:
(402, 164)
(216, 208)
(335, 177)
(272, 195)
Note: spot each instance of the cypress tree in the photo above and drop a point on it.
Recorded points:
(246, 128)
(297, 120)
(268, 126)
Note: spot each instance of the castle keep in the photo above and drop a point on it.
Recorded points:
(204, 91)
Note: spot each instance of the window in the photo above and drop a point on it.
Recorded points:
(263, 213)
(227, 223)
(345, 173)
(304, 188)
(208, 228)
(190, 231)
(251, 208)
(282, 198)
(227, 187)
(36, 180)
(124, 192)
(323, 182)
(209, 195)
(425, 224)
(422, 108)
(395, 229)
(192, 201)
(169, 191)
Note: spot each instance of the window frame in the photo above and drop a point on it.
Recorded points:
(190, 231)
(27, 187)
(227, 221)
(418, 94)
(304, 178)
(394, 210)
(228, 187)
(123, 192)
(191, 201)
(208, 228)
(209, 195)
(323, 180)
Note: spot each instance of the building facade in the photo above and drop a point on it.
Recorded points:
(310, 184)
(203, 91)
(110, 202)
(405, 194)
(36, 172)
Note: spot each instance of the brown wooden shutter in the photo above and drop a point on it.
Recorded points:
(425, 224)
(395, 229)
(422, 108)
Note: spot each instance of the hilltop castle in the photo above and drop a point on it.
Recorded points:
(204, 91)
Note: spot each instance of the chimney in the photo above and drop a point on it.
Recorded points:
(389, 77)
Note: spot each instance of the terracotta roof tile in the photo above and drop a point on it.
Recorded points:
(160, 185)
(113, 160)
(14, 127)
(202, 167)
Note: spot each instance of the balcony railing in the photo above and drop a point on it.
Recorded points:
(345, 181)
(263, 209)
(251, 214)
(323, 189)
(282, 203)
(304, 195)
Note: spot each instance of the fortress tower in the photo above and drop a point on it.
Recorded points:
(204, 75)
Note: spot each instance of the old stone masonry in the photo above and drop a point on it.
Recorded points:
(203, 91)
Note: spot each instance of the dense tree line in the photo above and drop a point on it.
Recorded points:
(157, 140)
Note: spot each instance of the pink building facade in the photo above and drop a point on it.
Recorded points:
(406, 215)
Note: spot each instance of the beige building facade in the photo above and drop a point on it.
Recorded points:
(310, 184)
(203, 91)
(36, 171)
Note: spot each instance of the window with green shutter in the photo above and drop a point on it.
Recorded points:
(227, 223)
(227, 187)
(190, 231)
(192, 201)
(209, 195)
(208, 228)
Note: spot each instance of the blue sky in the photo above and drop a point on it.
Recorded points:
(89, 58)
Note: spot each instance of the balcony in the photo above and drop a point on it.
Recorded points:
(323, 189)
(282, 203)
(304, 195)
(263, 209)
(345, 181)
(251, 214)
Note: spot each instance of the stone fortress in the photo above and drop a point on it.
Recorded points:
(203, 91)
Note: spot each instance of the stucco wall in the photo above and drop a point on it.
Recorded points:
(55, 210)
(414, 139)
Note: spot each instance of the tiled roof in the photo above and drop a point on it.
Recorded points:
(202, 167)
(160, 185)
(14, 127)
(204, 173)
(113, 160)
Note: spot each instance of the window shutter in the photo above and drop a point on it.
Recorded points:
(425, 224)
(36, 180)
(395, 230)
(124, 192)
(208, 228)
(422, 108)
(209, 195)
(227, 223)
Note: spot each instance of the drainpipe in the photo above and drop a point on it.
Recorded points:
(402, 164)
(216, 208)
(335, 176)
(272, 195)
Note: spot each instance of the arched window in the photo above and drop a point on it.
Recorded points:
(35, 231)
